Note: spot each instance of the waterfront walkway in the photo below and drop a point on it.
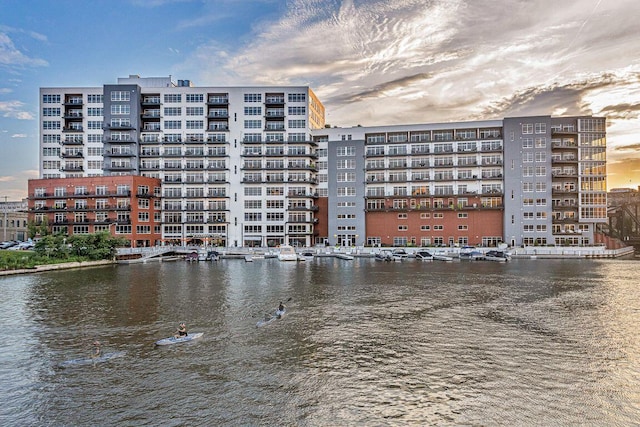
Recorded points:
(530, 252)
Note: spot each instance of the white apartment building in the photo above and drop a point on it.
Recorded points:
(237, 164)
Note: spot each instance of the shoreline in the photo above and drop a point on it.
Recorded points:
(516, 253)
(53, 267)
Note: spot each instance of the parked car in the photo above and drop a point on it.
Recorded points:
(8, 244)
(22, 246)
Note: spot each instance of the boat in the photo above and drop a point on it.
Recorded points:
(399, 254)
(423, 255)
(287, 253)
(174, 340)
(497, 256)
(384, 255)
(442, 257)
(306, 256)
(213, 256)
(91, 360)
(269, 318)
(203, 254)
(191, 257)
(471, 254)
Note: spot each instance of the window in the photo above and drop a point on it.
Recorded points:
(541, 128)
(252, 97)
(527, 128)
(51, 112)
(297, 97)
(195, 124)
(194, 111)
(194, 97)
(120, 95)
(172, 124)
(346, 177)
(172, 97)
(253, 204)
(95, 99)
(252, 124)
(51, 99)
(51, 125)
(119, 109)
(172, 111)
(346, 191)
(346, 151)
(252, 111)
(346, 164)
(297, 111)
(297, 124)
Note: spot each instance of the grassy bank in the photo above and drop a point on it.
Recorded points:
(17, 260)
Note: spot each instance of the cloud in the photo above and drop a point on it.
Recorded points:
(631, 147)
(14, 109)
(19, 135)
(12, 57)
(437, 60)
(622, 111)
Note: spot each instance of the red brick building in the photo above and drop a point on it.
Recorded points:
(436, 221)
(126, 206)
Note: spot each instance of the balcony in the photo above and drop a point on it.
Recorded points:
(119, 153)
(72, 129)
(73, 101)
(218, 100)
(121, 167)
(72, 155)
(73, 115)
(72, 168)
(150, 101)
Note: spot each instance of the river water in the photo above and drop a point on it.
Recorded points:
(364, 343)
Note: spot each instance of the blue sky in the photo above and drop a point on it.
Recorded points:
(371, 62)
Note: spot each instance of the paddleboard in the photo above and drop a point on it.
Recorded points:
(277, 315)
(174, 340)
(91, 360)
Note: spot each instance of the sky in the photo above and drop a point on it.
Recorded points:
(371, 62)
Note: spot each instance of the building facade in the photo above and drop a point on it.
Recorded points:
(126, 206)
(256, 166)
(14, 220)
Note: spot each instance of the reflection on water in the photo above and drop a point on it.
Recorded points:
(363, 343)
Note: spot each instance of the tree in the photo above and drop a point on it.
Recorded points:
(97, 246)
(37, 230)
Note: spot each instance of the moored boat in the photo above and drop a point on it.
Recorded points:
(497, 256)
(306, 256)
(287, 253)
(442, 257)
(423, 255)
(471, 254)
